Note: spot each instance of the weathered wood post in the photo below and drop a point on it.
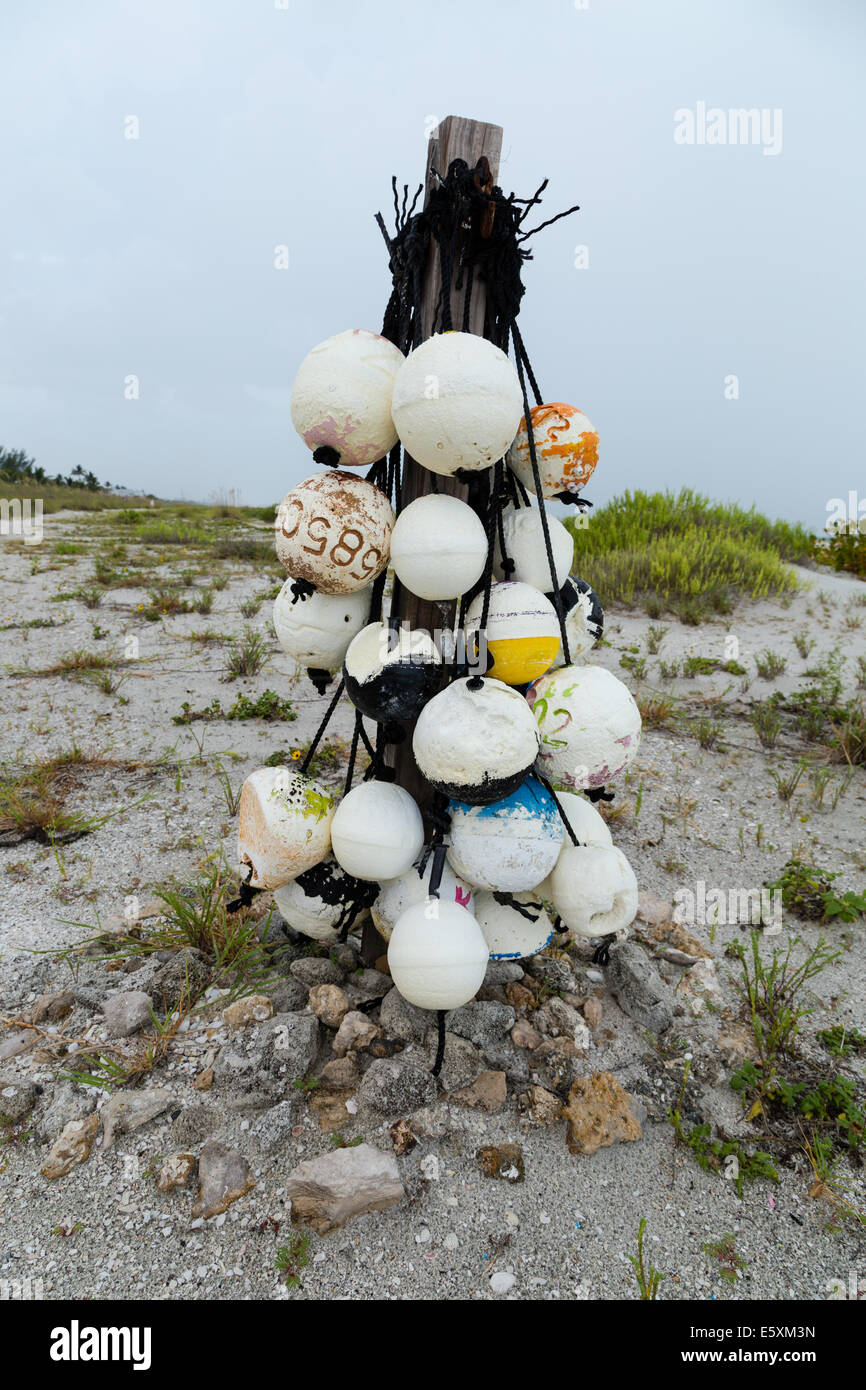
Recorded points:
(456, 137)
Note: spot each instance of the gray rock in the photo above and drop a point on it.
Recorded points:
(392, 1086)
(502, 1056)
(560, 1020)
(556, 973)
(273, 930)
(288, 996)
(194, 1124)
(289, 1044)
(348, 958)
(503, 972)
(129, 1110)
(127, 1012)
(461, 1064)
(639, 989)
(17, 1096)
(184, 970)
(21, 1040)
(367, 985)
(223, 1176)
(482, 1022)
(273, 1129)
(317, 970)
(400, 1019)
(68, 1102)
(327, 1192)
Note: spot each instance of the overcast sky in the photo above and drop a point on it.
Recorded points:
(263, 124)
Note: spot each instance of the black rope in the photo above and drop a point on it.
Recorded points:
(353, 753)
(560, 808)
(440, 1042)
(301, 590)
(246, 893)
(545, 528)
(601, 954)
(308, 757)
(598, 794)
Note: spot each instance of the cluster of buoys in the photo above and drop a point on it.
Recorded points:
(517, 860)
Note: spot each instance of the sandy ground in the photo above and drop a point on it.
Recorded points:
(691, 816)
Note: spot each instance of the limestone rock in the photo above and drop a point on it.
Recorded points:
(176, 1172)
(393, 1086)
(556, 973)
(674, 934)
(501, 1161)
(288, 1045)
(639, 989)
(328, 1191)
(699, 987)
(288, 996)
(355, 1033)
(72, 1146)
(524, 1035)
(400, 1019)
(599, 1113)
(519, 997)
(271, 1131)
(482, 1021)
(330, 1004)
(461, 1062)
(184, 974)
(488, 1092)
(129, 1110)
(558, 1019)
(194, 1124)
(125, 1013)
(316, 970)
(341, 1072)
(541, 1106)
(503, 972)
(223, 1176)
(736, 1045)
(17, 1041)
(17, 1096)
(253, 1008)
(653, 910)
(593, 1012)
(366, 985)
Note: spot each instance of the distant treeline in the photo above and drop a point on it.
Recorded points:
(16, 466)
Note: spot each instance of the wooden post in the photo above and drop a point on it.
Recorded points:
(455, 137)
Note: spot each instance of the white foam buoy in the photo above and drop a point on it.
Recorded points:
(437, 955)
(377, 831)
(333, 530)
(316, 629)
(514, 925)
(341, 398)
(589, 826)
(523, 534)
(584, 618)
(284, 826)
(438, 547)
(594, 890)
(473, 741)
(509, 845)
(566, 450)
(391, 672)
(457, 403)
(589, 726)
(522, 631)
(323, 900)
(412, 888)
